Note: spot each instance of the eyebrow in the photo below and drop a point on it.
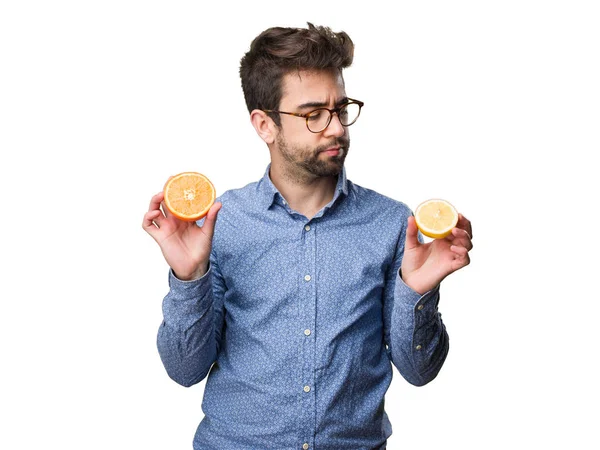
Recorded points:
(322, 104)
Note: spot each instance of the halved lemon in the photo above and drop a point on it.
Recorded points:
(435, 218)
(189, 195)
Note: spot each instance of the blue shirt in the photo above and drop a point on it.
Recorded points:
(298, 322)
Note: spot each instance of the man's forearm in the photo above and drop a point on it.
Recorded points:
(419, 341)
(186, 337)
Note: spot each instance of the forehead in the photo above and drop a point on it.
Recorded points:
(300, 87)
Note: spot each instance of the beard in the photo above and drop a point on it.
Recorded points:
(307, 161)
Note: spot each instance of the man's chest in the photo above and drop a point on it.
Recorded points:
(332, 271)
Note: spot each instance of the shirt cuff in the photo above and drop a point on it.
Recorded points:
(193, 288)
(187, 300)
(426, 304)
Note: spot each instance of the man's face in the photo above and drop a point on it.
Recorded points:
(302, 152)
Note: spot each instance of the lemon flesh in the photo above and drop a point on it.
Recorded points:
(436, 218)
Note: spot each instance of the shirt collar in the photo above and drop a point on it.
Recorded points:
(268, 192)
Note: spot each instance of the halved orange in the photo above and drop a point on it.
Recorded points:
(436, 218)
(189, 196)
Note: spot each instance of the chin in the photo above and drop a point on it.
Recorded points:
(327, 170)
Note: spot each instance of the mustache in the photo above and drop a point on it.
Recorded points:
(340, 142)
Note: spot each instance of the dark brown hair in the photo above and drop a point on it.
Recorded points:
(278, 51)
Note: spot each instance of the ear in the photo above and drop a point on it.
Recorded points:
(264, 126)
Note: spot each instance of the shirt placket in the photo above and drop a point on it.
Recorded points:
(308, 296)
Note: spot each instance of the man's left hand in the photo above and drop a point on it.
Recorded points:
(424, 266)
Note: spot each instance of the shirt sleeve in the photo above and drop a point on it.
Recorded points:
(190, 334)
(415, 336)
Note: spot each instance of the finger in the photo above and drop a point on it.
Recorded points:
(148, 223)
(465, 224)
(208, 226)
(155, 205)
(165, 210)
(459, 250)
(155, 202)
(461, 260)
(154, 212)
(412, 240)
(460, 236)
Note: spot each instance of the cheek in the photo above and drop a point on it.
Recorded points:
(300, 138)
(298, 133)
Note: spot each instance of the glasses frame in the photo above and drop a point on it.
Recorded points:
(331, 112)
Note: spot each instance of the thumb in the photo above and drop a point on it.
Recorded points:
(209, 222)
(412, 240)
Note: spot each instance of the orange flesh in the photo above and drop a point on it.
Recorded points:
(189, 195)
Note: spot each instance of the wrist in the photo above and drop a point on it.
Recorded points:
(415, 284)
(195, 275)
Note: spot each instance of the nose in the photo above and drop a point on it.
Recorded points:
(335, 127)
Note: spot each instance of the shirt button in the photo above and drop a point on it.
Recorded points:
(306, 277)
(307, 332)
(307, 228)
(418, 347)
(420, 307)
(305, 446)
(306, 388)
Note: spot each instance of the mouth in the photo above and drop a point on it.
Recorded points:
(333, 151)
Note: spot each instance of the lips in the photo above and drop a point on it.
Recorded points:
(332, 151)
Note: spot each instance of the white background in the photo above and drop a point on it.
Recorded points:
(491, 105)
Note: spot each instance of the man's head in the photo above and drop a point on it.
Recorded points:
(279, 51)
(288, 73)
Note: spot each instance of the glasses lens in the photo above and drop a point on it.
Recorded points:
(349, 114)
(318, 120)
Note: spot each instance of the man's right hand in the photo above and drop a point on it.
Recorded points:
(185, 246)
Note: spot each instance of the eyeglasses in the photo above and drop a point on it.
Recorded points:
(319, 119)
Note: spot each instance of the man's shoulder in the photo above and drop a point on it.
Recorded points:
(243, 194)
(235, 193)
(372, 200)
(238, 205)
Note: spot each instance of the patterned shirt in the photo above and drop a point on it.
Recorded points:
(298, 321)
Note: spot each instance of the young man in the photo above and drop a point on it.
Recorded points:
(307, 288)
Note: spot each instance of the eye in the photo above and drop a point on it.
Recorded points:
(316, 114)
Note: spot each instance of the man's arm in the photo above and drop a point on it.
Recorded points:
(414, 332)
(418, 342)
(190, 334)
(416, 338)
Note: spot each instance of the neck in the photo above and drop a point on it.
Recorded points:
(304, 193)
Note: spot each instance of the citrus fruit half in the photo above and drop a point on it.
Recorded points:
(436, 218)
(189, 196)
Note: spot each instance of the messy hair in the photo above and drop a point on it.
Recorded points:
(278, 51)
